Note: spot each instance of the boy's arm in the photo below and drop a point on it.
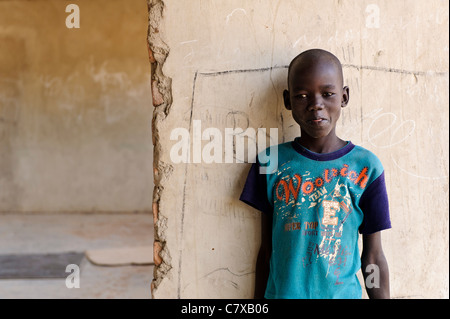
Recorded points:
(374, 267)
(265, 251)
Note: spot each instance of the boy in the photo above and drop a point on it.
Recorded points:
(322, 192)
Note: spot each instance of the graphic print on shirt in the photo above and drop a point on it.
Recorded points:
(317, 207)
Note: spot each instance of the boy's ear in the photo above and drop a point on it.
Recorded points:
(345, 96)
(287, 100)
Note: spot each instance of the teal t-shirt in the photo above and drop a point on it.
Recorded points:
(318, 203)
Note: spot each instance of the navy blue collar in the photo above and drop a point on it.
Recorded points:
(322, 156)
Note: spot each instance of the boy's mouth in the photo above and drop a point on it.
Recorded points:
(318, 120)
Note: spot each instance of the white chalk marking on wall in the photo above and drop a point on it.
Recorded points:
(316, 40)
(415, 175)
(189, 41)
(106, 79)
(392, 141)
(393, 123)
(232, 12)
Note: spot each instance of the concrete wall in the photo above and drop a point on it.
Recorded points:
(224, 63)
(75, 107)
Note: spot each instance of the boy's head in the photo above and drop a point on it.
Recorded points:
(316, 93)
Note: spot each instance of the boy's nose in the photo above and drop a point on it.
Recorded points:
(316, 102)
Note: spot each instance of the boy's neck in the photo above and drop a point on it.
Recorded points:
(322, 145)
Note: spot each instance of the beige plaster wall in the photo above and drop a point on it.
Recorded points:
(75, 107)
(224, 63)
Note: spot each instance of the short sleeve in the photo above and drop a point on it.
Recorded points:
(255, 190)
(375, 207)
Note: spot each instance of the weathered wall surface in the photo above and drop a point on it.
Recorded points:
(75, 107)
(222, 64)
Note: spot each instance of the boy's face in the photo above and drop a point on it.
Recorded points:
(316, 96)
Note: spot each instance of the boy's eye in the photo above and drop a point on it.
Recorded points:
(301, 96)
(328, 94)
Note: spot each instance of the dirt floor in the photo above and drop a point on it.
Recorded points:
(59, 233)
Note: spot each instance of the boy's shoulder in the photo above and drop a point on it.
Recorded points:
(364, 155)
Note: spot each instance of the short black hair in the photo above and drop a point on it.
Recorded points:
(313, 55)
